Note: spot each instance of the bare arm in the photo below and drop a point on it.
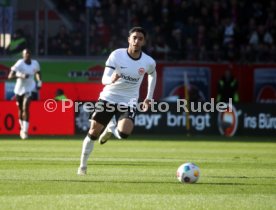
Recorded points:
(38, 76)
(12, 75)
(38, 79)
(151, 86)
(15, 75)
(15, 71)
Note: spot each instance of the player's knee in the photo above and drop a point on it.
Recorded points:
(92, 137)
(25, 115)
(94, 133)
(123, 135)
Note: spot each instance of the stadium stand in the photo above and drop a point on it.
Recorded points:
(230, 30)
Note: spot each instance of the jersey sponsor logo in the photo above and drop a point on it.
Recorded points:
(141, 71)
(129, 78)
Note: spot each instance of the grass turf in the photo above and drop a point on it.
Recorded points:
(137, 174)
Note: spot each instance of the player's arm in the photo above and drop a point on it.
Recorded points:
(12, 75)
(38, 79)
(151, 86)
(110, 75)
(15, 73)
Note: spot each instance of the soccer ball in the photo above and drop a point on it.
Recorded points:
(188, 173)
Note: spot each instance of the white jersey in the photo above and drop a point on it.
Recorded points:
(27, 85)
(131, 71)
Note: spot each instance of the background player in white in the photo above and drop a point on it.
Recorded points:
(24, 70)
(123, 75)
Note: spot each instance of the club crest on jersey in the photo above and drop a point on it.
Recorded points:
(141, 71)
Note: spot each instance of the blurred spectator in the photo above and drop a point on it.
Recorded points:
(18, 43)
(230, 40)
(161, 49)
(200, 38)
(212, 30)
(229, 32)
(103, 33)
(189, 30)
(41, 43)
(215, 53)
(60, 95)
(60, 44)
(92, 3)
(190, 50)
(228, 88)
(78, 44)
(176, 44)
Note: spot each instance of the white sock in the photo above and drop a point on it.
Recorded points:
(20, 123)
(25, 126)
(116, 133)
(87, 148)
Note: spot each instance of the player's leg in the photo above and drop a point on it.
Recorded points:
(125, 123)
(99, 120)
(123, 128)
(88, 145)
(19, 104)
(107, 133)
(25, 115)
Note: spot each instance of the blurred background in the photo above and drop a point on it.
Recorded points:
(225, 48)
(210, 30)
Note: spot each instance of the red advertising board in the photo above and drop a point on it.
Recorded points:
(41, 121)
(2, 91)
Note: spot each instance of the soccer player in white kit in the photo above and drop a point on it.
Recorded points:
(24, 70)
(123, 75)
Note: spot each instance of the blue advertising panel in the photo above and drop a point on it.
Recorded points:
(198, 82)
(265, 85)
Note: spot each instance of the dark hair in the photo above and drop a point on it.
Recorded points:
(137, 29)
(59, 92)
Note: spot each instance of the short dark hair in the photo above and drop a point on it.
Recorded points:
(137, 29)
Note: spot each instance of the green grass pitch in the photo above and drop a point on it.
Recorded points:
(139, 173)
